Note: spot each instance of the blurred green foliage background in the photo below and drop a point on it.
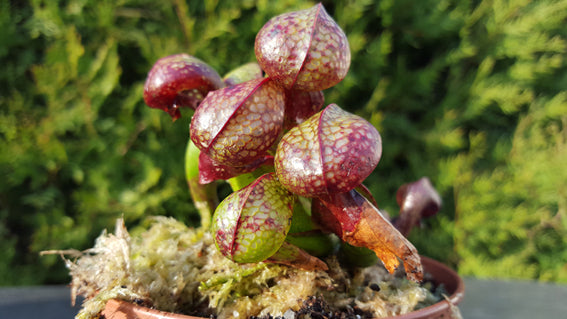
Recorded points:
(471, 93)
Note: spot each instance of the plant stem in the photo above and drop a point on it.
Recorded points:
(239, 182)
(205, 199)
(204, 196)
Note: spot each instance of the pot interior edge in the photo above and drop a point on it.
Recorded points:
(441, 274)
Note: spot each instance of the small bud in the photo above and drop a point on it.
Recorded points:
(331, 152)
(179, 80)
(236, 125)
(250, 225)
(304, 50)
(417, 200)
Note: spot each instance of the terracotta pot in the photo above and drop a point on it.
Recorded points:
(118, 309)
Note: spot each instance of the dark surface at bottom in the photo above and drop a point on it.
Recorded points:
(489, 299)
(45, 302)
(484, 299)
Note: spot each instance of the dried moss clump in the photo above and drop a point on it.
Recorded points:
(174, 268)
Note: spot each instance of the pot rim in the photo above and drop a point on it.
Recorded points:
(456, 289)
(452, 281)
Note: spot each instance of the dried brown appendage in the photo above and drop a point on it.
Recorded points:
(179, 80)
(417, 200)
(356, 221)
(304, 50)
(236, 125)
(293, 256)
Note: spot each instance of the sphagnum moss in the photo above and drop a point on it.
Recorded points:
(178, 269)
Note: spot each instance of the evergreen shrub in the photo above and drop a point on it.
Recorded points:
(470, 93)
